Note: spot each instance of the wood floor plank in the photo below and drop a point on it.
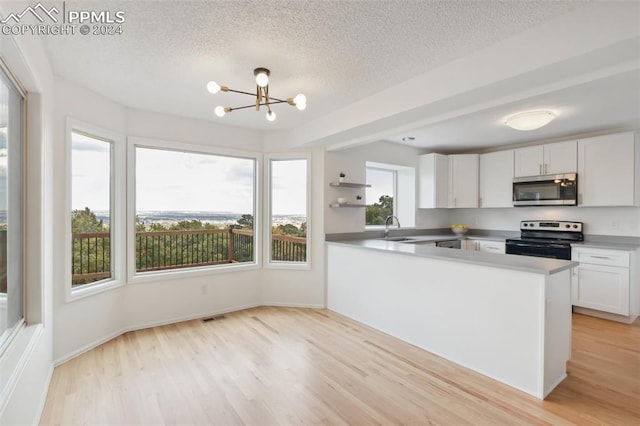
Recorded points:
(291, 366)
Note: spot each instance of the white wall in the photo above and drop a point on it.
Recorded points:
(620, 221)
(352, 162)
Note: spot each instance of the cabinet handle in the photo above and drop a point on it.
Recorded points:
(491, 248)
(540, 169)
(600, 257)
(574, 270)
(479, 201)
(545, 169)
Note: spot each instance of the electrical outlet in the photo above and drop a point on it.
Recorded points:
(615, 224)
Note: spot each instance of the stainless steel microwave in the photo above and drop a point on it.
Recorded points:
(549, 190)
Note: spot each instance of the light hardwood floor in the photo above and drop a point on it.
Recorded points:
(288, 365)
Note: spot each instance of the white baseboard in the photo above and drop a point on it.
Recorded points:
(43, 396)
(604, 315)
(294, 305)
(143, 326)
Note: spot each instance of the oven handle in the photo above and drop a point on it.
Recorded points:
(535, 245)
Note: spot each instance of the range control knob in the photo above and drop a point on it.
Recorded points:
(568, 226)
(575, 226)
(524, 225)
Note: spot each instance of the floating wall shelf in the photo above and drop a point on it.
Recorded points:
(335, 205)
(349, 185)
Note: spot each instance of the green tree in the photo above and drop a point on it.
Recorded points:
(246, 221)
(376, 213)
(83, 221)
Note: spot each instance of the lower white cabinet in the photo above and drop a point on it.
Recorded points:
(484, 246)
(601, 281)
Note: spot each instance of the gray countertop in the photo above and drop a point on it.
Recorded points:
(536, 265)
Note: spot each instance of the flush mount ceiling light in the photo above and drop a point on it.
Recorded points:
(263, 98)
(529, 120)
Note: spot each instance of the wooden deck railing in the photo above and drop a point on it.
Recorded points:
(162, 250)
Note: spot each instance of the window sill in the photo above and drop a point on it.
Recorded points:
(177, 274)
(93, 289)
(288, 266)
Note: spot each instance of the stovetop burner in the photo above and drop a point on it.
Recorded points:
(550, 239)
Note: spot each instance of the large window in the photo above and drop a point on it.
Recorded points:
(392, 192)
(288, 211)
(380, 196)
(192, 209)
(91, 203)
(11, 208)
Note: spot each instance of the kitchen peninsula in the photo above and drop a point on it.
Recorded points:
(507, 317)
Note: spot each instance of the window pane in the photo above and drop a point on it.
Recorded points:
(11, 208)
(379, 197)
(193, 209)
(288, 211)
(91, 209)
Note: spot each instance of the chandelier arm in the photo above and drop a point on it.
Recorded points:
(240, 91)
(262, 104)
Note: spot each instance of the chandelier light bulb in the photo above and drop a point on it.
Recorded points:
(213, 87)
(220, 111)
(529, 120)
(271, 116)
(301, 101)
(262, 79)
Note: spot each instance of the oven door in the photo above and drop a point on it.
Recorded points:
(546, 190)
(527, 248)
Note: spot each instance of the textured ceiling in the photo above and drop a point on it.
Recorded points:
(336, 52)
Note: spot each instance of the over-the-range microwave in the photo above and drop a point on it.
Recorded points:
(549, 190)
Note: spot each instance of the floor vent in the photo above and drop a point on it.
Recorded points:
(217, 318)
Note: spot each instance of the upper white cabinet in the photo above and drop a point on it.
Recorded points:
(463, 180)
(496, 177)
(433, 181)
(549, 159)
(606, 174)
(448, 181)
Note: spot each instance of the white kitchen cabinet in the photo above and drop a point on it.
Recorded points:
(497, 247)
(433, 181)
(608, 170)
(463, 180)
(549, 159)
(601, 281)
(496, 177)
(448, 181)
(486, 246)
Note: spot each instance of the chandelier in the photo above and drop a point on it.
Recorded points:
(263, 98)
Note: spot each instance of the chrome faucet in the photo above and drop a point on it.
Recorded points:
(386, 224)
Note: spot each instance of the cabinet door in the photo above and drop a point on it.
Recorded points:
(496, 179)
(463, 180)
(528, 161)
(561, 157)
(606, 170)
(433, 176)
(605, 288)
(492, 247)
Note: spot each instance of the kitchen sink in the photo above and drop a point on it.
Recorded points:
(398, 239)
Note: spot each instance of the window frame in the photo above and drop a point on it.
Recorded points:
(134, 277)
(404, 193)
(267, 179)
(117, 223)
(16, 329)
(394, 172)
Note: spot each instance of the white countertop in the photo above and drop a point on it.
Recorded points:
(536, 265)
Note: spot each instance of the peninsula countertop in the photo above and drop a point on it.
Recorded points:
(536, 265)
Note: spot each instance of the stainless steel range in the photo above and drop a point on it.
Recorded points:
(545, 238)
